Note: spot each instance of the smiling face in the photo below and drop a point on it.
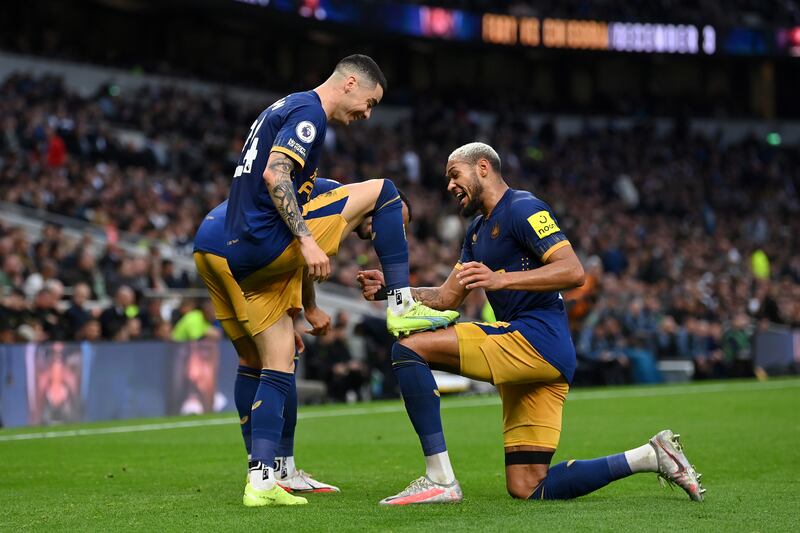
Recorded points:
(358, 100)
(465, 186)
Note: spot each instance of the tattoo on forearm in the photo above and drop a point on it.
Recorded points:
(283, 196)
(430, 296)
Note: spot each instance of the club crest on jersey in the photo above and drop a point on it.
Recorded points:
(474, 237)
(495, 230)
(306, 131)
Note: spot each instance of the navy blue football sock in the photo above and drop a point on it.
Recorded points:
(266, 414)
(286, 445)
(244, 393)
(576, 478)
(389, 237)
(421, 397)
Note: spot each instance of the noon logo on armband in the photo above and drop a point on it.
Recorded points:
(306, 131)
(543, 224)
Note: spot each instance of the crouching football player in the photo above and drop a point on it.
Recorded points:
(515, 251)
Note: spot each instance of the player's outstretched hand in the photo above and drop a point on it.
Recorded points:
(320, 321)
(299, 345)
(319, 265)
(371, 281)
(476, 275)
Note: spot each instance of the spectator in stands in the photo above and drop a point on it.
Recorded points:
(78, 314)
(378, 343)
(132, 272)
(150, 317)
(50, 241)
(197, 324)
(133, 329)
(171, 278)
(46, 313)
(580, 300)
(605, 350)
(704, 349)
(11, 276)
(737, 347)
(81, 267)
(90, 331)
(635, 348)
(110, 262)
(56, 149)
(36, 280)
(161, 330)
(8, 335)
(186, 305)
(331, 356)
(14, 312)
(114, 317)
(671, 340)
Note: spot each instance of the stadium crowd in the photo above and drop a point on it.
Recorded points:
(689, 244)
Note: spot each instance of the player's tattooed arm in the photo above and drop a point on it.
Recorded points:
(449, 295)
(430, 296)
(278, 176)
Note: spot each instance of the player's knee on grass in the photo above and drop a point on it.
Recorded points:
(526, 469)
(522, 481)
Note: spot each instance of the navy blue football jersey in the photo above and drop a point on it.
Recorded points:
(520, 234)
(294, 125)
(210, 236)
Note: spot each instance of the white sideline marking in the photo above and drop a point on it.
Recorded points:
(457, 404)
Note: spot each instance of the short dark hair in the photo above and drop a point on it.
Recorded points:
(473, 152)
(404, 199)
(363, 65)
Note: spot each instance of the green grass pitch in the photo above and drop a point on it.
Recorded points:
(743, 436)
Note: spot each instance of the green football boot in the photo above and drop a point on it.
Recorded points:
(274, 496)
(418, 318)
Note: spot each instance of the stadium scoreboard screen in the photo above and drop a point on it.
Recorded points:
(544, 32)
(597, 35)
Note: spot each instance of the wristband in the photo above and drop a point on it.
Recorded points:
(382, 294)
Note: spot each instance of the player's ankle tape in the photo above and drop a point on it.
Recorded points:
(529, 458)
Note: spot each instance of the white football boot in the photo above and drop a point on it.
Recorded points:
(423, 490)
(674, 467)
(302, 482)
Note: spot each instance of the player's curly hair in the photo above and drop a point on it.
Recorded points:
(363, 65)
(471, 153)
